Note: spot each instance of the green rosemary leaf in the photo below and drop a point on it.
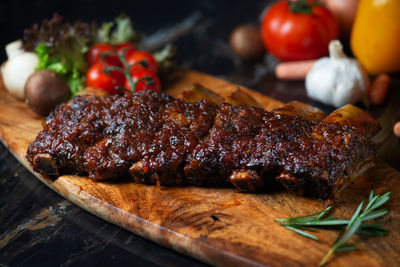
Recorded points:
(299, 217)
(301, 232)
(322, 214)
(350, 231)
(355, 215)
(315, 221)
(375, 214)
(381, 200)
(306, 228)
(346, 247)
(325, 222)
(355, 225)
(371, 195)
(376, 231)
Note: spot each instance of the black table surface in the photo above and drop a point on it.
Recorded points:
(40, 228)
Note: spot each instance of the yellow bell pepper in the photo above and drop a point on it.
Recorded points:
(375, 37)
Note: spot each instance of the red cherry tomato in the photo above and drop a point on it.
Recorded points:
(97, 78)
(94, 52)
(289, 34)
(142, 57)
(123, 48)
(111, 60)
(93, 56)
(144, 79)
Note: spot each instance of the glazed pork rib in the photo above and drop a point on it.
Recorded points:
(157, 139)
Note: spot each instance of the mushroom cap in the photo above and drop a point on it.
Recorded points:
(44, 90)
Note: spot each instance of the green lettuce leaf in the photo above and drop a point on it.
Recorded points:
(70, 73)
(118, 31)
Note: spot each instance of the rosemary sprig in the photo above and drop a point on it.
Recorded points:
(375, 201)
(348, 228)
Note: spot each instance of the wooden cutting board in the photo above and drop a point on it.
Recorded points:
(217, 225)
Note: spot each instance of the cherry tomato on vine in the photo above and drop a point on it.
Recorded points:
(111, 60)
(97, 78)
(298, 30)
(123, 48)
(93, 56)
(142, 57)
(144, 79)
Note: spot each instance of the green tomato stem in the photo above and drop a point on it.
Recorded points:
(302, 7)
(125, 71)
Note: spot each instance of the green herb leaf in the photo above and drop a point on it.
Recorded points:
(104, 32)
(75, 81)
(43, 55)
(355, 225)
(380, 201)
(301, 232)
(375, 214)
(347, 228)
(58, 67)
(61, 46)
(372, 229)
(118, 31)
(166, 62)
(124, 31)
(73, 77)
(346, 247)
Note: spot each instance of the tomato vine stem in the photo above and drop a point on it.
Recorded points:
(303, 6)
(126, 69)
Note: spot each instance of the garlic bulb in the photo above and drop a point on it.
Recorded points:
(337, 80)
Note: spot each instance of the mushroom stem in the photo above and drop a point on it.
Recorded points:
(13, 49)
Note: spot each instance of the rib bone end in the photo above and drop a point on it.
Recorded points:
(46, 165)
(246, 180)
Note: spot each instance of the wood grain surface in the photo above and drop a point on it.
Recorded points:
(217, 225)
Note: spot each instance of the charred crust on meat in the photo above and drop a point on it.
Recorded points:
(157, 139)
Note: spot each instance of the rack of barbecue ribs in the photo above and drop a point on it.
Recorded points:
(157, 139)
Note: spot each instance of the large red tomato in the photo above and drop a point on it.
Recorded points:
(298, 30)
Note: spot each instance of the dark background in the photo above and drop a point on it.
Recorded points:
(148, 16)
(40, 228)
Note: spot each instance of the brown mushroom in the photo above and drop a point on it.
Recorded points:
(44, 90)
(246, 42)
